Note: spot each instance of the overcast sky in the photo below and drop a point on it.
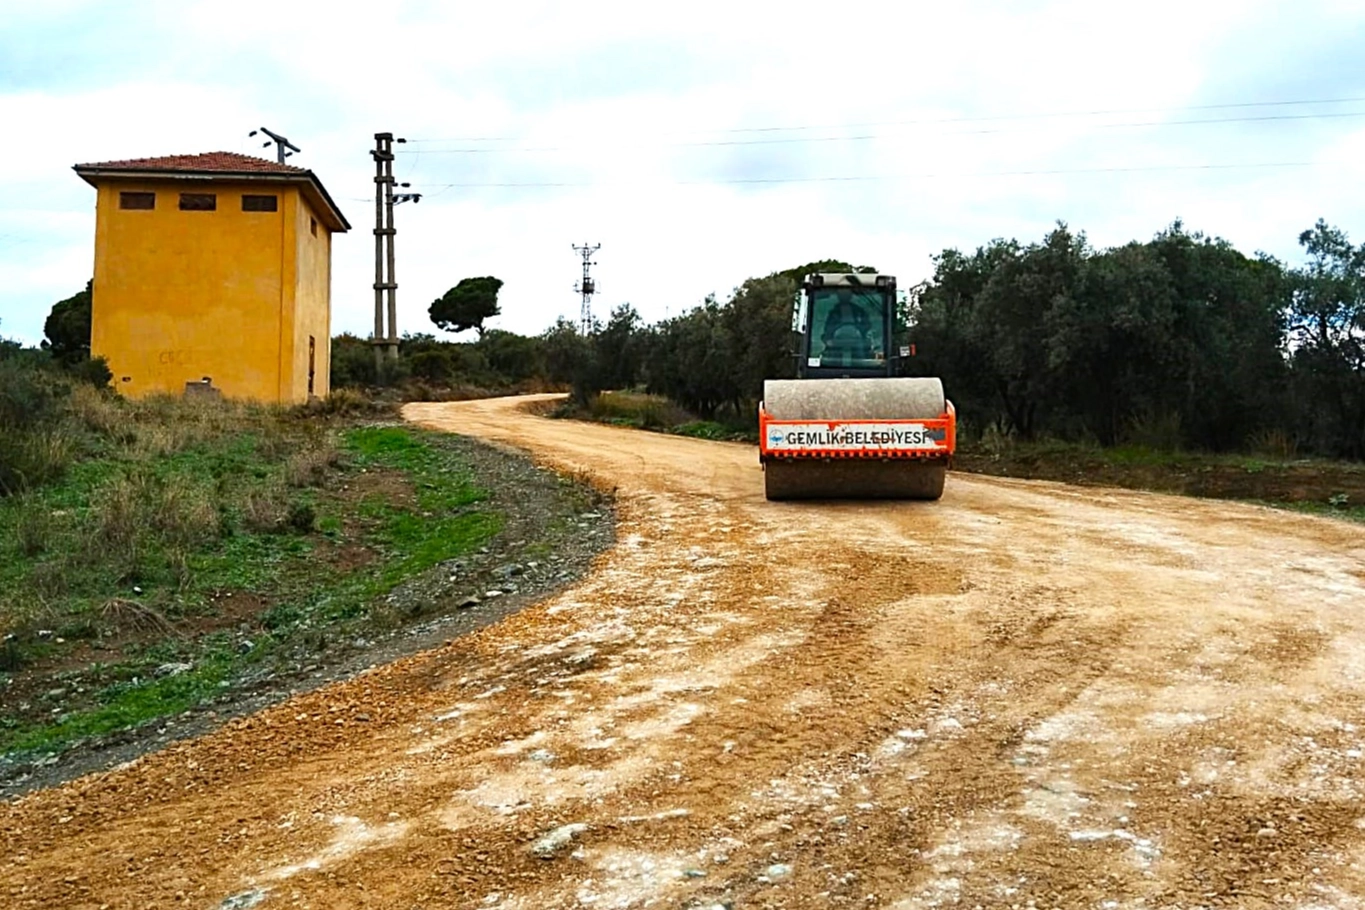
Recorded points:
(699, 143)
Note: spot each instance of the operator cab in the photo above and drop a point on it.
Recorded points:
(846, 324)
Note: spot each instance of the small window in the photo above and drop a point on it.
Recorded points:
(313, 226)
(142, 201)
(260, 203)
(198, 202)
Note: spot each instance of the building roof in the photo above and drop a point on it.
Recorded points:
(208, 161)
(220, 166)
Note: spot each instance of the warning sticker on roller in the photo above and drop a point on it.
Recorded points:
(855, 437)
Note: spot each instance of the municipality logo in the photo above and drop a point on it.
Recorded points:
(775, 437)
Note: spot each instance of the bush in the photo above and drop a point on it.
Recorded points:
(352, 362)
(33, 528)
(347, 403)
(308, 467)
(264, 509)
(94, 372)
(29, 459)
(433, 365)
(30, 396)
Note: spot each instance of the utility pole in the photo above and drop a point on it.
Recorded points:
(587, 287)
(283, 147)
(385, 277)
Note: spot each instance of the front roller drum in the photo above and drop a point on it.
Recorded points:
(854, 478)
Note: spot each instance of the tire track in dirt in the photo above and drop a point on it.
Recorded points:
(1026, 694)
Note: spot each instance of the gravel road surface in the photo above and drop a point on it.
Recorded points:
(1024, 695)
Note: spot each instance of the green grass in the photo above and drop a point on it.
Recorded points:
(710, 429)
(656, 413)
(168, 531)
(125, 704)
(1354, 513)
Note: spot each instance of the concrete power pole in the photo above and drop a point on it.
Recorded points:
(383, 242)
(385, 277)
(587, 287)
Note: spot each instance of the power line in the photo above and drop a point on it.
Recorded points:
(880, 177)
(788, 140)
(940, 120)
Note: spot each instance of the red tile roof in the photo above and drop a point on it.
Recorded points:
(219, 165)
(208, 161)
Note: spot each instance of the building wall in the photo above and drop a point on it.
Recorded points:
(180, 295)
(312, 303)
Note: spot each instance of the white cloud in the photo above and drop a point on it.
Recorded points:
(616, 87)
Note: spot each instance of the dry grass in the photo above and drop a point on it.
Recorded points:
(310, 466)
(183, 511)
(33, 528)
(348, 403)
(131, 616)
(1158, 431)
(117, 514)
(265, 509)
(179, 513)
(48, 581)
(30, 459)
(100, 411)
(1276, 444)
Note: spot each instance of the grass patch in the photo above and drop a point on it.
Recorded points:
(1318, 484)
(176, 507)
(658, 414)
(1344, 512)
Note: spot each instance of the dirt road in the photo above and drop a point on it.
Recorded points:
(1024, 695)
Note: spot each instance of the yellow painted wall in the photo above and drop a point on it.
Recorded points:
(312, 310)
(179, 295)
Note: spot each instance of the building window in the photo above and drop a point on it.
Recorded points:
(137, 200)
(198, 202)
(313, 226)
(260, 203)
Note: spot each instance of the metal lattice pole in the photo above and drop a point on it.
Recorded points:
(586, 287)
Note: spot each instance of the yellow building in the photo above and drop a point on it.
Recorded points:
(213, 271)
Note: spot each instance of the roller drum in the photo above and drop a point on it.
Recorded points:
(853, 478)
(899, 398)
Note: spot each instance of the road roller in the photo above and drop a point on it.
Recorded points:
(850, 426)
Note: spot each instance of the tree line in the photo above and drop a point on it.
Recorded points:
(1178, 341)
(1181, 341)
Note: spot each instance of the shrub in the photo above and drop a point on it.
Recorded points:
(1273, 442)
(1158, 431)
(432, 365)
(264, 509)
(308, 467)
(301, 517)
(33, 528)
(352, 362)
(29, 459)
(92, 372)
(102, 412)
(30, 396)
(182, 512)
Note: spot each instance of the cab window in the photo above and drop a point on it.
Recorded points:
(847, 328)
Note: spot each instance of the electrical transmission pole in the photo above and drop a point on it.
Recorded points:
(283, 147)
(587, 287)
(385, 279)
